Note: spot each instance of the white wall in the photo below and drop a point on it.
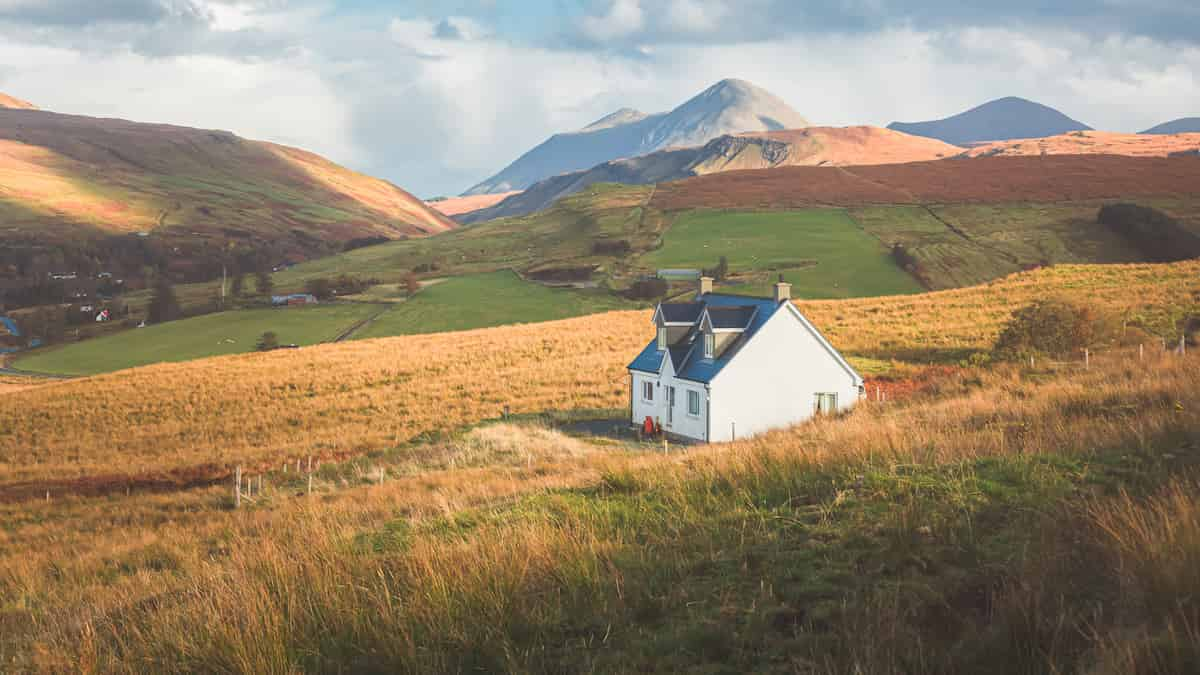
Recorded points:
(773, 380)
(692, 426)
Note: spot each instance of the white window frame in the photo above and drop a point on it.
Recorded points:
(710, 345)
(819, 396)
(693, 395)
(648, 391)
(662, 338)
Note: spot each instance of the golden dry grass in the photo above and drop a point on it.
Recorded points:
(199, 419)
(165, 582)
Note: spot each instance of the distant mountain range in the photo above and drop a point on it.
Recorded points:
(1183, 125)
(67, 177)
(1000, 120)
(727, 107)
(811, 146)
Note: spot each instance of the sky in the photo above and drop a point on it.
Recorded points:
(438, 95)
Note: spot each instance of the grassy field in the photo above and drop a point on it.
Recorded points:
(234, 332)
(482, 301)
(354, 398)
(822, 252)
(1040, 521)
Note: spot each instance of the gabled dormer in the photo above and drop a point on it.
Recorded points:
(721, 326)
(674, 321)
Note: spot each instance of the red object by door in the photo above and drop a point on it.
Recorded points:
(648, 425)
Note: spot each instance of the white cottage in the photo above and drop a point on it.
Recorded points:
(727, 366)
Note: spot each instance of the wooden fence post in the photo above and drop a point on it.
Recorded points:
(237, 488)
(1087, 359)
(1142, 352)
(1182, 345)
(309, 483)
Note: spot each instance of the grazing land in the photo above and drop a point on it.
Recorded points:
(1050, 516)
(482, 301)
(822, 252)
(351, 399)
(234, 332)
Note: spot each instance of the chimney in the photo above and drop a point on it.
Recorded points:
(783, 291)
(705, 285)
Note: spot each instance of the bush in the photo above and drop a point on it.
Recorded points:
(648, 289)
(613, 247)
(320, 287)
(268, 342)
(1047, 327)
(363, 242)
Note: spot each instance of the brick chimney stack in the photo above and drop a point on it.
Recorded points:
(783, 291)
(706, 285)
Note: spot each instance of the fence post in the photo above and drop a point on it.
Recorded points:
(237, 488)
(309, 483)
(310, 463)
(1031, 361)
(1182, 345)
(1087, 359)
(1142, 352)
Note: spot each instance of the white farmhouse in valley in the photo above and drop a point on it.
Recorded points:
(727, 366)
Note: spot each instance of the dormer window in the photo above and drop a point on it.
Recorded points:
(662, 338)
(710, 345)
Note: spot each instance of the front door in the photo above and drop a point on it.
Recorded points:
(670, 405)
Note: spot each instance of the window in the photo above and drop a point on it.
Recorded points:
(710, 345)
(694, 403)
(662, 337)
(647, 391)
(825, 403)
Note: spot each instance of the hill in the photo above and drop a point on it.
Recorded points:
(998, 120)
(1093, 143)
(729, 106)
(68, 178)
(9, 102)
(811, 146)
(1183, 125)
(981, 179)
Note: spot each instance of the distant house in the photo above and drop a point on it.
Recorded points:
(293, 299)
(727, 366)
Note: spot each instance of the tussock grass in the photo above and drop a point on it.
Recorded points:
(1002, 524)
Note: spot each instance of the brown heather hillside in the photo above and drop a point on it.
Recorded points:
(65, 175)
(1092, 143)
(193, 422)
(830, 146)
(453, 206)
(982, 180)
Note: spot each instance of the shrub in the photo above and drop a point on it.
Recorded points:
(648, 289)
(320, 287)
(613, 247)
(1047, 327)
(268, 342)
(363, 242)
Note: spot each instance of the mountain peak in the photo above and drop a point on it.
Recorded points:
(615, 119)
(1003, 119)
(1183, 125)
(730, 106)
(7, 101)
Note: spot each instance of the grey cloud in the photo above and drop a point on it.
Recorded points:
(77, 13)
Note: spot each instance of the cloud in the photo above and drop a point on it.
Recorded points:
(438, 101)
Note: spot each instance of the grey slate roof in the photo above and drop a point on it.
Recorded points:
(731, 317)
(681, 312)
(686, 355)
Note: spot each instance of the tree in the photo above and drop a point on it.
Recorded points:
(263, 282)
(411, 284)
(164, 306)
(238, 287)
(320, 287)
(268, 341)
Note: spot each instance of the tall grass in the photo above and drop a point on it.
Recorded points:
(940, 535)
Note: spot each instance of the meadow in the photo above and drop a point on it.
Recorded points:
(1045, 520)
(232, 332)
(821, 252)
(482, 301)
(350, 399)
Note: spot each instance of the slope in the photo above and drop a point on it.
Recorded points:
(1093, 143)
(998, 120)
(1183, 125)
(729, 106)
(811, 146)
(10, 102)
(64, 175)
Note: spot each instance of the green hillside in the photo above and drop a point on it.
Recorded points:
(234, 332)
(484, 300)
